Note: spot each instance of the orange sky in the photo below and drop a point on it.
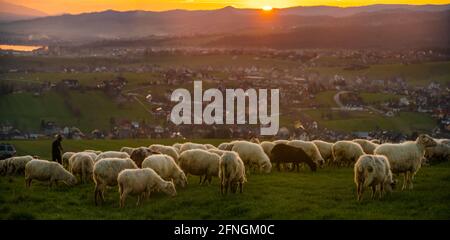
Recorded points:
(78, 6)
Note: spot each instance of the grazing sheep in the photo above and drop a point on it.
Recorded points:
(139, 154)
(367, 146)
(281, 141)
(310, 149)
(231, 172)
(373, 171)
(168, 150)
(52, 172)
(65, 159)
(190, 146)
(438, 153)
(105, 174)
(166, 167)
(82, 164)
(226, 146)
(201, 163)
(142, 182)
(128, 150)
(210, 146)
(325, 149)
(267, 147)
(92, 154)
(283, 153)
(112, 154)
(177, 147)
(217, 151)
(346, 152)
(376, 141)
(252, 154)
(406, 157)
(93, 151)
(14, 165)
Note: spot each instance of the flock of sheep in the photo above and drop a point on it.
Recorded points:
(143, 170)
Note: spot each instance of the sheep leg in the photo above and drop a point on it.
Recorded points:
(360, 191)
(240, 187)
(227, 184)
(200, 182)
(411, 176)
(374, 190)
(138, 203)
(123, 197)
(405, 181)
(381, 190)
(28, 182)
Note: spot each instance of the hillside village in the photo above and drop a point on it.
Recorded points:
(302, 77)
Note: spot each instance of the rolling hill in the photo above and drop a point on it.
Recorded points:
(12, 12)
(427, 24)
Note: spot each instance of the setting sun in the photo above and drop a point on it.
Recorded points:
(267, 8)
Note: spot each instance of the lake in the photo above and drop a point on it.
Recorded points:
(22, 48)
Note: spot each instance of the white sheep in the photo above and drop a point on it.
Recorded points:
(82, 164)
(142, 182)
(177, 147)
(168, 150)
(231, 172)
(440, 152)
(217, 151)
(325, 149)
(367, 146)
(373, 171)
(201, 163)
(406, 157)
(310, 149)
(65, 159)
(128, 150)
(252, 154)
(210, 146)
(52, 172)
(346, 152)
(14, 165)
(93, 151)
(226, 146)
(166, 167)
(267, 147)
(190, 146)
(112, 154)
(105, 174)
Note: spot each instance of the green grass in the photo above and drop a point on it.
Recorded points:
(416, 74)
(366, 121)
(371, 98)
(325, 99)
(326, 194)
(96, 108)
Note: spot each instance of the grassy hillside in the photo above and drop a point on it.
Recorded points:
(326, 194)
(367, 121)
(26, 111)
(415, 74)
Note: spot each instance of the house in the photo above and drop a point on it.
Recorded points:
(71, 83)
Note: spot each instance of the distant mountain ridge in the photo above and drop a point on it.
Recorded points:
(13, 12)
(110, 24)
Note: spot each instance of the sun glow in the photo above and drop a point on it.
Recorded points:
(267, 8)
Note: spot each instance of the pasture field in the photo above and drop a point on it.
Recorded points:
(326, 194)
(420, 74)
(406, 122)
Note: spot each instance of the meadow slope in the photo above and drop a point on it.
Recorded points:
(326, 194)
